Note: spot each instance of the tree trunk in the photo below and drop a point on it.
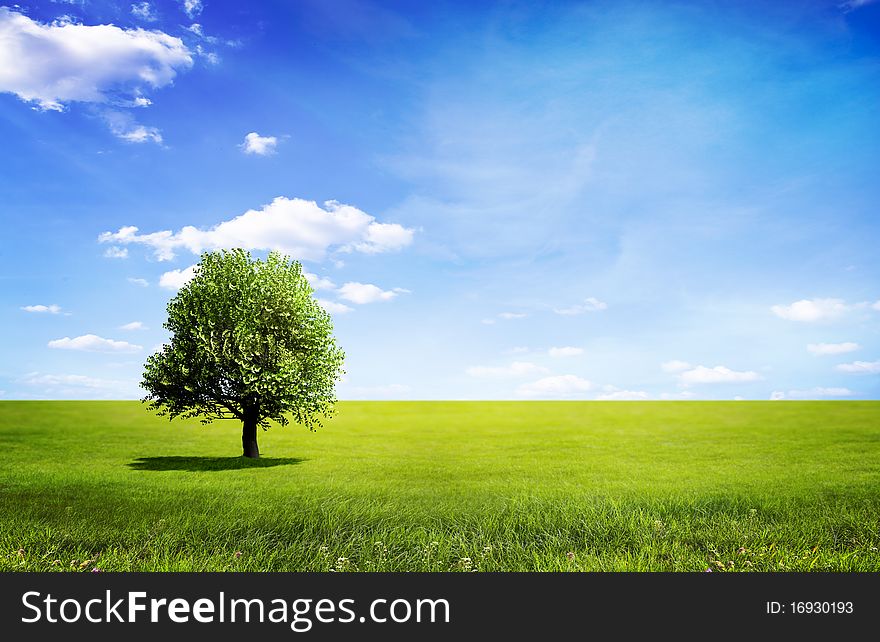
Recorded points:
(249, 437)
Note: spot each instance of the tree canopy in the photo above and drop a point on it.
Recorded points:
(249, 342)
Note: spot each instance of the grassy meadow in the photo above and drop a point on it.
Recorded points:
(446, 486)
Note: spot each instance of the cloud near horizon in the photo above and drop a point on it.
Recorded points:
(559, 386)
(717, 374)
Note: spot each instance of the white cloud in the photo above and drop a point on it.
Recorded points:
(777, 395)
(333, 307)
(389, 390)
(144, 11)
(565, 351)
(590, 304)
(875, 305)
(558, 386)
(299, 228)
(623, 395)
(832, 348)
(362, 293)
(675, 366)
(515, 369)
(123, 126)
(718, 374)
(683, 394)
(512, 315)
(55, 64)
(134, 325)
(811, 310)
(51, 309)
(141, 282)
(78, 381)
(114, 252)
(192, 8)
(860, 367)
(176, 279)
(319, 282)
(852, 5)
(259, 145)
(815, 393)
(93, 343)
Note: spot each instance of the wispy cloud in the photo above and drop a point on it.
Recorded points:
(560, 386)
(515, 369)
(590, 304)
(114, 252)
(832, 348)
(45, 309)
(860, 367)
(565, 351)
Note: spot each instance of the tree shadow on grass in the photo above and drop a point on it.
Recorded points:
(198, 464)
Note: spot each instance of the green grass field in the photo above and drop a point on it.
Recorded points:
(446, 486)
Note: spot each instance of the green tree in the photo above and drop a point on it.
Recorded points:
(248, 342)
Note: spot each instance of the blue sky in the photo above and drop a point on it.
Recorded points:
(600, 200)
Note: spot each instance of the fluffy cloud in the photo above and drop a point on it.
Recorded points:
(718, 374)
(590, 304)
(93, 343)
(55, 64)
(319, 282)
(141, 282)
(50, 309)
(623, 395)
(333, 307)
(832, 348)
(362, 293)
(512, 315)
(259, 145)
(565, 351)
(299, 228)
(558, 386)
(134, 325)
(675, 366)
(176, 279)
(860, 367)
(192, 8)
(515, 369)
(811, 310)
